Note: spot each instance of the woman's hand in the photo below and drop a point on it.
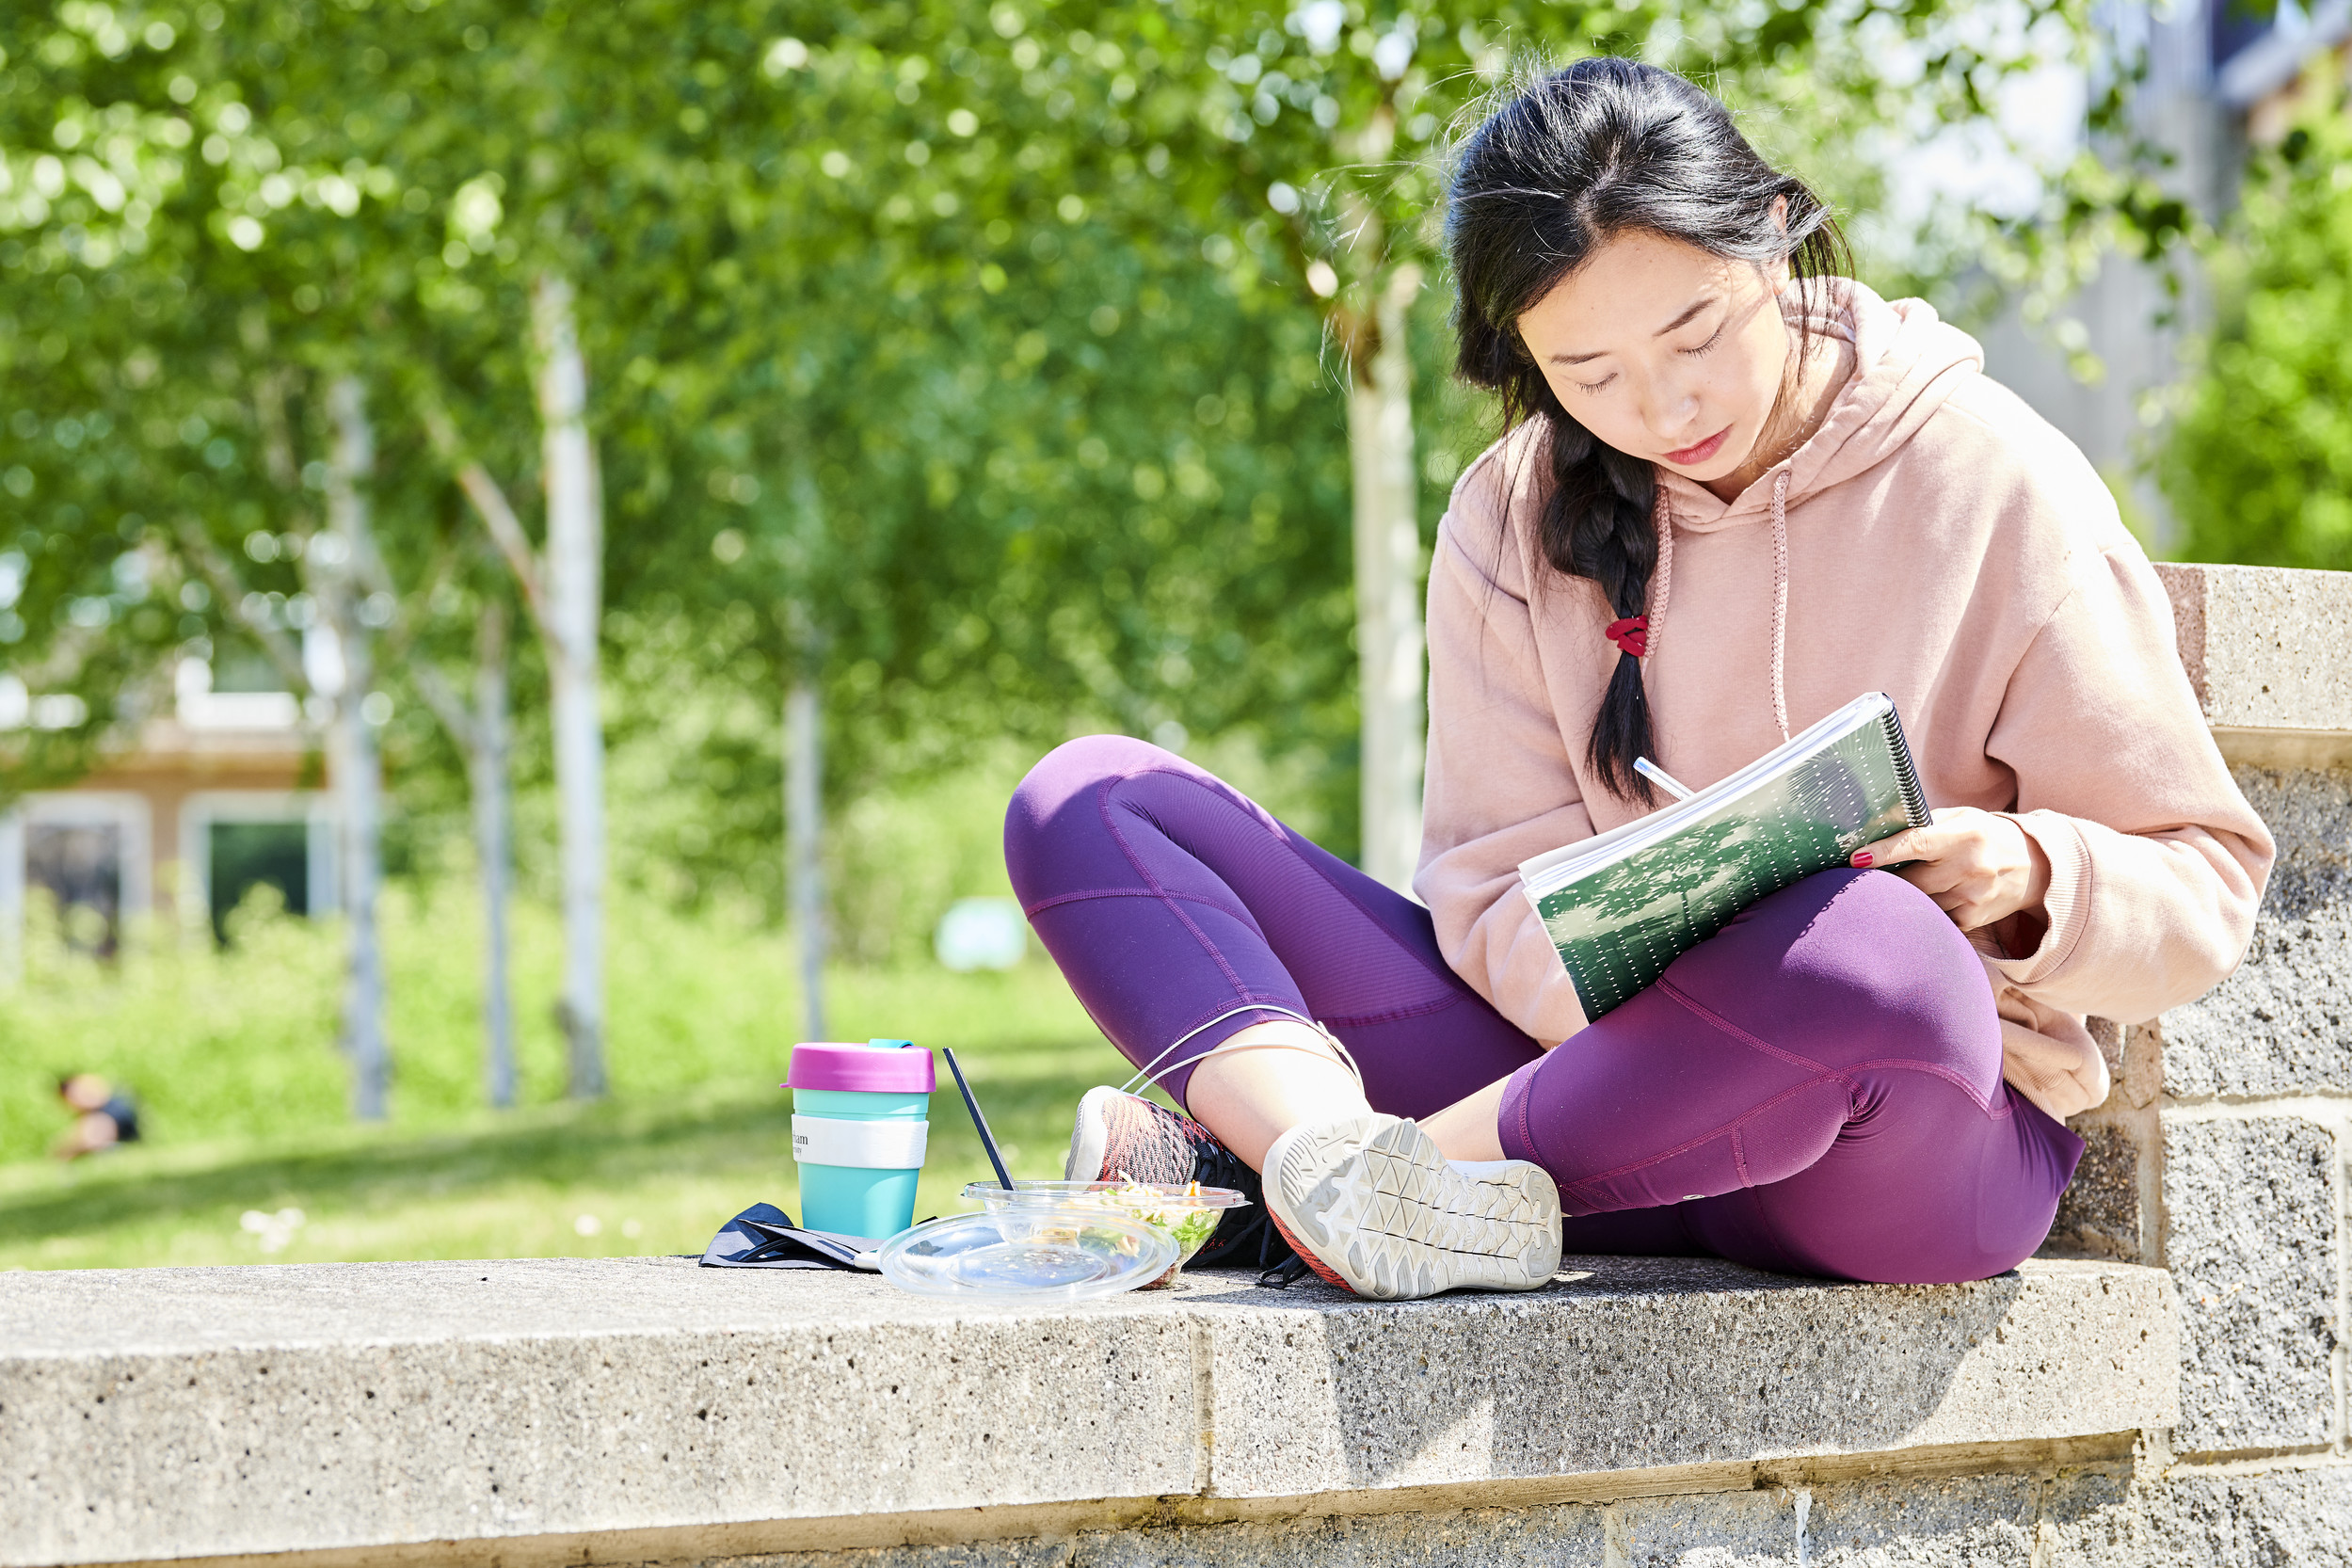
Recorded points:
(1980, 868)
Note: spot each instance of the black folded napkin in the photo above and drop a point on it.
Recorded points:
(764, 1236)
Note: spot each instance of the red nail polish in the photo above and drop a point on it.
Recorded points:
(1862, 858)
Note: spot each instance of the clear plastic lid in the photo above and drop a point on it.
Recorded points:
(1040, 1254)
(1176, 1195)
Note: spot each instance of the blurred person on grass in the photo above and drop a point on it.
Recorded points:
(105, 1116)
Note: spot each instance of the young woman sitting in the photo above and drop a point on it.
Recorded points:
(1736, 490)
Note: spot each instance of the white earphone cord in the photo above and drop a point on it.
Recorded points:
(1146, 1075)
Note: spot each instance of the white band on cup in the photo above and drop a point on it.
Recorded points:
(874, 1145)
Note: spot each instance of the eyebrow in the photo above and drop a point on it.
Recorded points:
(1681, 321)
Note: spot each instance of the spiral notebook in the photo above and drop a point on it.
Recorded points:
(1622, 905)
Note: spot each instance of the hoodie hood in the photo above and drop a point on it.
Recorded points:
(1908, 361)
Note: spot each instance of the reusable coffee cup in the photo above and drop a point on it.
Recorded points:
(860, 1125)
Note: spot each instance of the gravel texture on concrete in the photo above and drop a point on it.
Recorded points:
(2273, 1519)
(2283, 1023)
(2251, 1210)
(2100, 1517)
(186, 1413)
(2100, 1211)
(2265, 648)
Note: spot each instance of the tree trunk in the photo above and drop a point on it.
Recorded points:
(575, 590)
(1388, 589)
(486, 764)
(804, 816)
(352, 759)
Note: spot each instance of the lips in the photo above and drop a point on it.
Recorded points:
(1690, 456)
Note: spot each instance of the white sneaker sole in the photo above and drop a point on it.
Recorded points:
(1088, 1136)
(1383, 1210)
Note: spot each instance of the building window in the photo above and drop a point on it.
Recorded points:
(246, 855)
(81, 865)
(235, 840)
(88, 851)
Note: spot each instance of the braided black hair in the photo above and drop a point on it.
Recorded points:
(1603, 147)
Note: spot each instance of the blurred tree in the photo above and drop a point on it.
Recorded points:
(2258, 465)
(961, 369)
(89, 598)
(972, 475)
(228, 401)
(1300, 150)
(481, 726)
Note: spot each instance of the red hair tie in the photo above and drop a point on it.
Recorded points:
(1631, 636)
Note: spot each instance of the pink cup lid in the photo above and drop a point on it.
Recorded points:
(892, 1069)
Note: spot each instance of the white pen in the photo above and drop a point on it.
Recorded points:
(1660, 777)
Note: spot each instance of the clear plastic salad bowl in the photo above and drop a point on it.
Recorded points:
(1188, 1212)
(1036, 1256)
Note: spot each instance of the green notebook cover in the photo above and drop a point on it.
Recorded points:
(1623, 905)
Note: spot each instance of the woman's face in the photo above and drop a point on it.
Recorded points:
(1665, 351)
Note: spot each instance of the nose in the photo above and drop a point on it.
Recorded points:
(1673, 411)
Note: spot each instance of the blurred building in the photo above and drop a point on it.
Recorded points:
(2220, 79)
(218, 795)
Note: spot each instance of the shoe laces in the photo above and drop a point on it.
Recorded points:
(1215, 1165)
(1284, 1274)
(1251, 1242)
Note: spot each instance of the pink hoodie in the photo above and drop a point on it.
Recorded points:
(1935, 539)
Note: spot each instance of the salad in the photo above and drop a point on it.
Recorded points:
(1182, 1215)
(1187, 1214)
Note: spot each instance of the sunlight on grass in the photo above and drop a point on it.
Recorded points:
(232, 1055)
(653, 1177)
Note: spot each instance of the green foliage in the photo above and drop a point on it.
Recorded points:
(230, 1040)
(896, 862)
(983, 358)
(696, 777)
(2259, 463)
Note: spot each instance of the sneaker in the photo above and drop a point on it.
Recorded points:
(1122, 1137)
(1371, 1206)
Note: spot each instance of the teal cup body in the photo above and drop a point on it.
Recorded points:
(860, 1127)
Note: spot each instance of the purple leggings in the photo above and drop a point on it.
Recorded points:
(1817, 1089)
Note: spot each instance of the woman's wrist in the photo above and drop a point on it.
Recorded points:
(2022, 931)
(1984, 869)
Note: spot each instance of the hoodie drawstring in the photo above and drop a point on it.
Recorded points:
(1662, 579)
(1662, 588)
(1780, 599)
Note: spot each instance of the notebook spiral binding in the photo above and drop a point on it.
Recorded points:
(1906, 772)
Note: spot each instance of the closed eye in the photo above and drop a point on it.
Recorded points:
(1694, 353)
(1596, 386)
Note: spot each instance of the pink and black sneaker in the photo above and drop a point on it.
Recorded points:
(1124, 1137)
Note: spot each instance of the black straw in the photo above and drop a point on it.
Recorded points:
(979, 1121)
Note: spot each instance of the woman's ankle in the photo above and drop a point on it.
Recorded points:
(1471, 1127)
(1265, 1080)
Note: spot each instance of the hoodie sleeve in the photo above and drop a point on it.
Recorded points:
(2156, 861)
(1498, 789)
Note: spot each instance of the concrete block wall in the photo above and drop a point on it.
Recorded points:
(2099, 1516)
(2222, 1155)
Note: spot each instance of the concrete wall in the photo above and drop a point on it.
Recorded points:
(2222, 1153)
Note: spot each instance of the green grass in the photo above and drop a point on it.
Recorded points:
(669, 1169)
(232, 1055)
